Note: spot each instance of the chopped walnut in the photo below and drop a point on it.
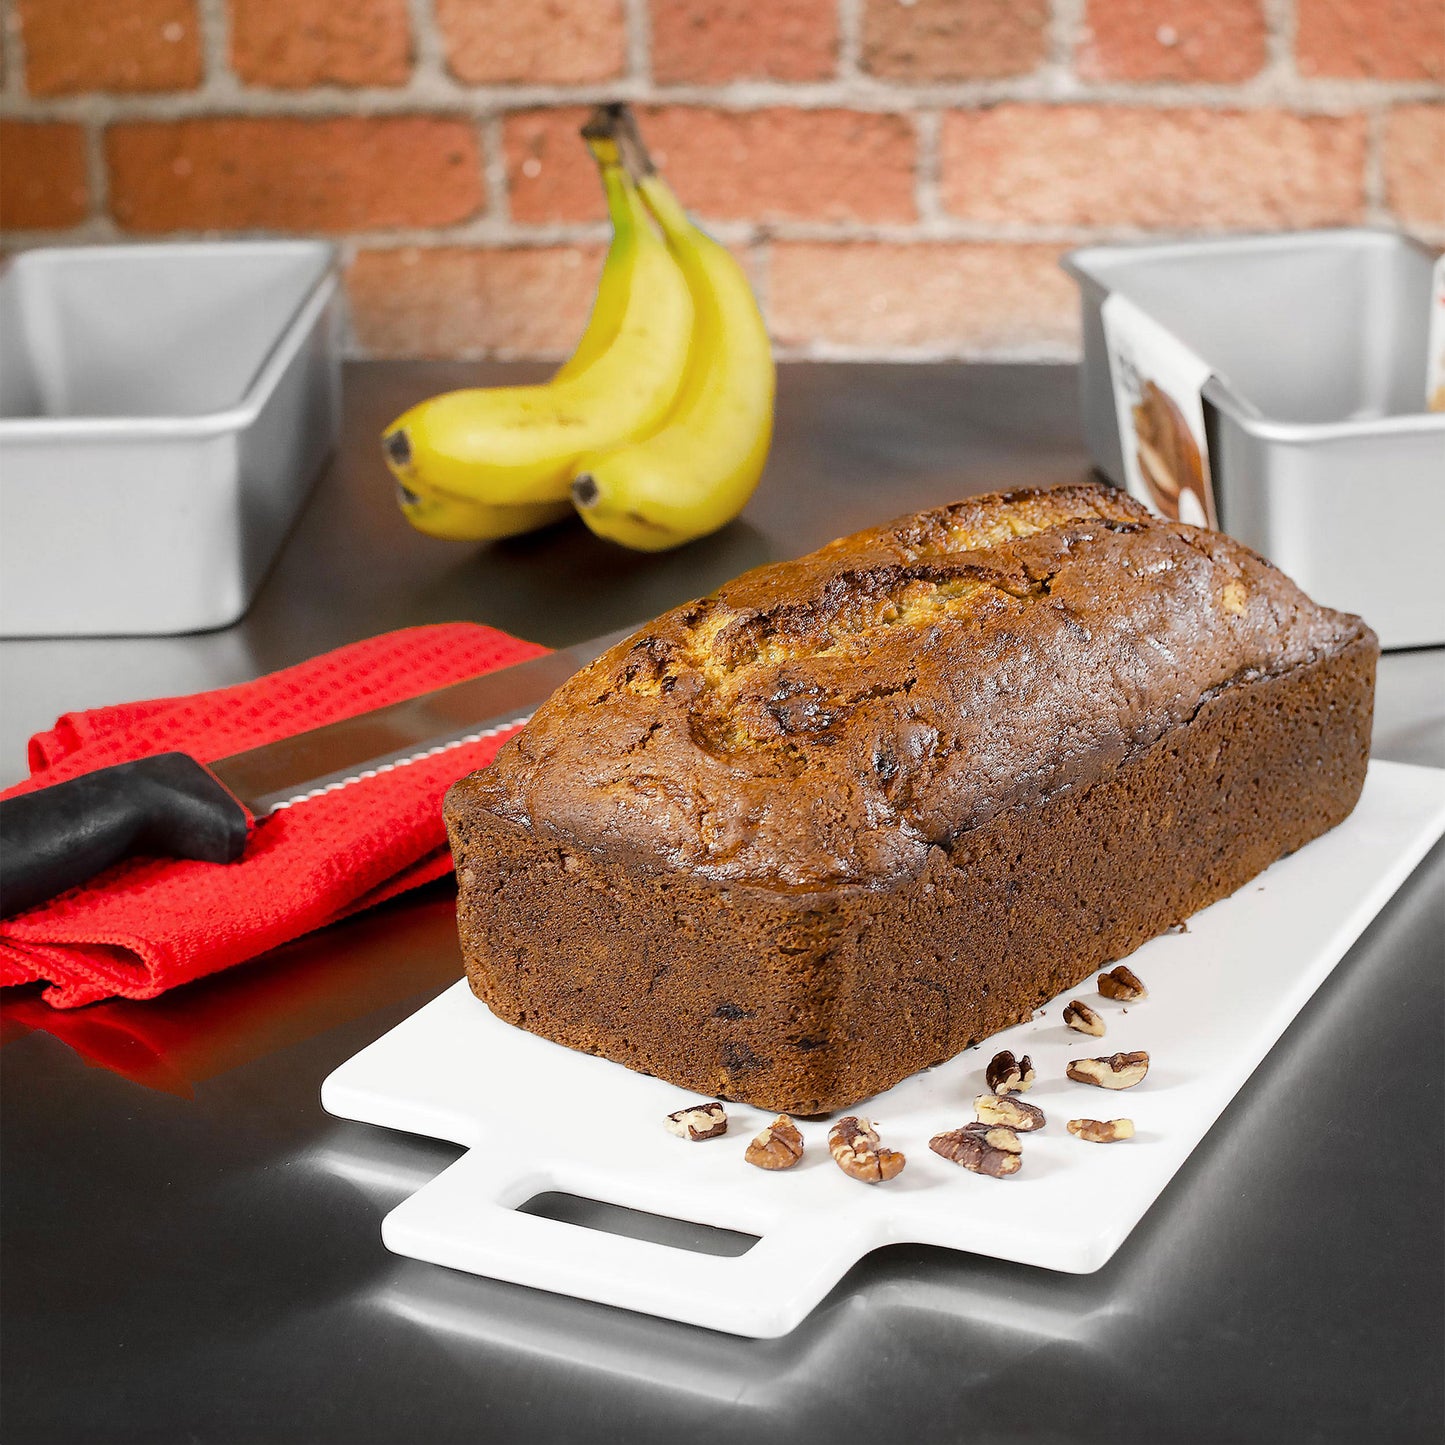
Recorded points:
(1122, 983)
(981, 1148)
(854, 1146)
(1102, 1131)
(1007, 1075)
(1079, 1015)
(1012, 1113)
(700, 1121)
(1117, 1071)
(779, 1146)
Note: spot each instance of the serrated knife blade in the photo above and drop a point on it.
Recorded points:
(171, 805)
(290, 770)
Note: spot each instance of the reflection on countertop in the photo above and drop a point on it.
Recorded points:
(206, 1028)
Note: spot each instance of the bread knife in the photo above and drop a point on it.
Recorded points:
(170, 805)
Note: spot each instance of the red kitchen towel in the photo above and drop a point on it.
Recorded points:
(149, 924)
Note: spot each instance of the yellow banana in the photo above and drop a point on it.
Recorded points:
(457, 521)
(609, 306)
(697, 472)
(505, 446)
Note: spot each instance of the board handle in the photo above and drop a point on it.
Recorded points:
(466, 1220)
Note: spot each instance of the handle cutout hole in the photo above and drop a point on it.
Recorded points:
(638, 1224)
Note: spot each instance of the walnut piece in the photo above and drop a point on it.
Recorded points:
(1117, 1071)
(854, 1145)
(981, 1148)
(779, 1146)
(1012, 1113)
(699, 1121)
(1123, 984)
(1007, 1075)
(1102, 1131)
(1078, 1015)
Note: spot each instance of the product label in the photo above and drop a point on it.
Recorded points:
(1435, 364)
(1157, 382)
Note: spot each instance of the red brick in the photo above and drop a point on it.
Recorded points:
(550, 175)
(290, 44)
(781, 164)
(1415, 164)
(1391, 39)
(295, 175)
(1184, 40)
(77, 45)
(954, 39)
(708, 42)
(458, 301)
(42, 174)
(762, 165)
(1073, 165)
(933, 296)
(552, 42)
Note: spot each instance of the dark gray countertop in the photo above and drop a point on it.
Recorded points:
(190, 1246)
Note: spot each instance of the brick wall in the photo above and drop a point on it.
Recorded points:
(901, 175)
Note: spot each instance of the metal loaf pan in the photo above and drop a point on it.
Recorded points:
(1324, 456)
(164, 410)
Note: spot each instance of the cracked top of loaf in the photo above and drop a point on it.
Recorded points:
(830, 720)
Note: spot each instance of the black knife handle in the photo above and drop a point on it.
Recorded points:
(167, 806)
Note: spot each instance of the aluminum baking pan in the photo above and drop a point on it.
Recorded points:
(164, 410)
(1324, 456)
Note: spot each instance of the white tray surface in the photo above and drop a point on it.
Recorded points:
(535, 1116)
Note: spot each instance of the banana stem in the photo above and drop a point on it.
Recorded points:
(604, 121)
(615, 125)
(618, 124)
(634, 151)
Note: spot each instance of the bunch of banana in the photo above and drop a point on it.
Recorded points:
(656, 428)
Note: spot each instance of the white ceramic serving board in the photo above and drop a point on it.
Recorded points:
(537, 1117)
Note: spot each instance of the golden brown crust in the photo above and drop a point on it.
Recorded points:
(833, 719)
(695, 860)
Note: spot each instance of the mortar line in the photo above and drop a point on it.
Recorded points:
(351, 347)
(97, 173)
(485, 233)
(637, 20)
(927, 181)
(1376, 207)
(1065, 34)
(221, 96)
(14, 50)
(759, 267)
(494, 170)
(1042, 351)
(850, 39)
(428, 52)
(217, 80)
(1281, 26)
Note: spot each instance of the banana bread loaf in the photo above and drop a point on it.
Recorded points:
(852, 813)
